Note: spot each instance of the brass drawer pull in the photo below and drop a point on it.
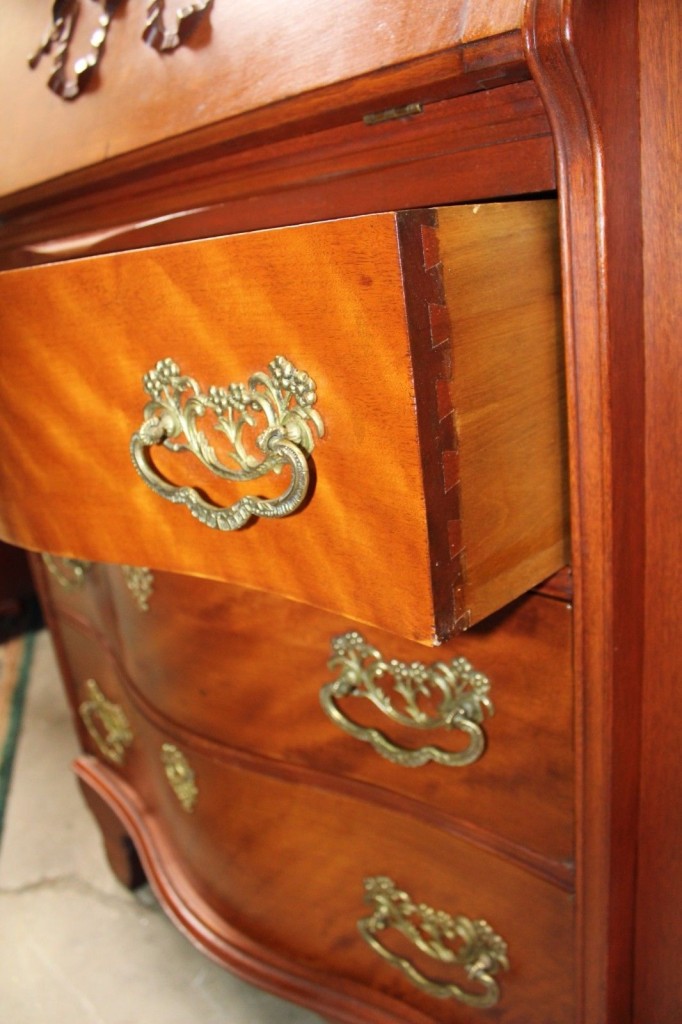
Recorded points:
(446, 695)
(456, 941)
(106, 723)
(180, 776)
(69, 573)
(269, 423)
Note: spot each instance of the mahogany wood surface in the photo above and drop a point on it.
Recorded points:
(593, 109)
(118, 846)
(259, 665)
(620, 298)
(340, 1000)
(329, 297)
(658, 983)
(485, 145)
(305, 902)
(267, 55)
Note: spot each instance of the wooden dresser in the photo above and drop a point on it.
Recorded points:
(339, 392)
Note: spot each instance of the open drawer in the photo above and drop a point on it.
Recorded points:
(367, 414)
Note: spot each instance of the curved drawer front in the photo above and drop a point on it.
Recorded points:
(78, 588)
(290, 867)
(315, 364)
(247, 670)
(102, 711)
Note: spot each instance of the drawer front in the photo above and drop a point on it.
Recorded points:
(249, 670)
(76, 587)
(397, 439)
(231, 62)
(104, 716)
(289, 866)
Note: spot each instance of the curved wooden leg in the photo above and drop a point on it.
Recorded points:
(118, 845)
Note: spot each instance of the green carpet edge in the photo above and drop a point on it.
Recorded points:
(14, 722)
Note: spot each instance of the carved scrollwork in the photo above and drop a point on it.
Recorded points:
(64, 17)
(186, 18)
(445, 695)
(269, 423)
(456, 941)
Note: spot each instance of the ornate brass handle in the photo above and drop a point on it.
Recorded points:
(444, 695)
(269, 423)
(457, 941)
(106, 723)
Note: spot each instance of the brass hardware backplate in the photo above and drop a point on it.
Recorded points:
(180, 776)
(140, 582)
(106, 723)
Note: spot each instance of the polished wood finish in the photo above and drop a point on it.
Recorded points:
(285, 905)
(260, 674)
(222, 853)
(608, 75)
(347, 169)
(594, 115)
(460, 514)
(658, 986)
(119, 848)
(239, 62)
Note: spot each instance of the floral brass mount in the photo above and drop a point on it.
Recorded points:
(180, 776)
(106, 723)
(450, 695)
(140, 582)
(451, 941)
(62, 25)
(69, 573)
(269, 423)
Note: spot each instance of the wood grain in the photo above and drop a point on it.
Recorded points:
(503, 294)
(222, 854)
(239, 61)
(487, 144)
(592, 104)
(223, 309)
(258, 690)
(330, 297)
(658, 986)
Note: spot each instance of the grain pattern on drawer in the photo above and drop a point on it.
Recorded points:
(247, 670)
(286, 866)
(392, 519)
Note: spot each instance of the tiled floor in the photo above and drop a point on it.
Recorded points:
(74, 945)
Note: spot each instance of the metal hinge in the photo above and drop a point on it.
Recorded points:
(394, 114)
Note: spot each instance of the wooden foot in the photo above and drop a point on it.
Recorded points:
(118, 845)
